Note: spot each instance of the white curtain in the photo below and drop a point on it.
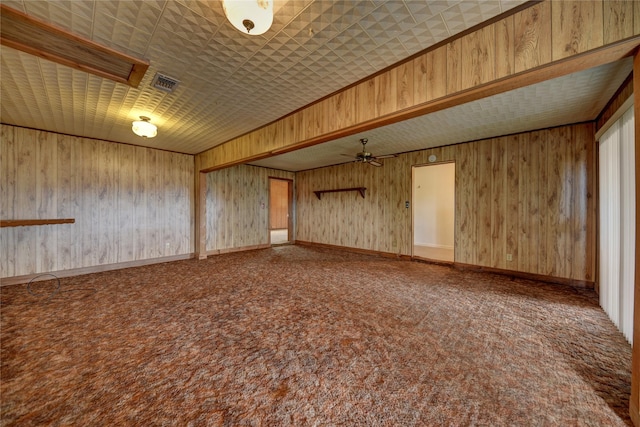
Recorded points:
(618, 222)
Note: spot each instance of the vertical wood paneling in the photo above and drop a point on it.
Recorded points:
(484, 218)
(532, 28)
(529, 214)
(237, 206)
(47, 166)
(89, 204)
(505, 47)
(124, 197)
(577, 27)
(66, 250)
(498, 202)
(139, 204)
(466, 203)
(580, 215)
(8, 189)
(515, 195)
(365, 100)
(543, 177)
(454, 66)
(386, 100)
(478, 57)
(404, 86)
(107, 194)
(430, 75)
(618, 20)
(513, 206)
(554, 186)
(104, 186)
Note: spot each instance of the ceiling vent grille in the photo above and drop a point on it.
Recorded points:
(164, 82)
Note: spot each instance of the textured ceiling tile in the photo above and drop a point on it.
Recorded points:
(63, 14)
(388, 54)
(345, 12)
(467, 14)
(143, 15)
(231, 82)
(428, 9)
(425, 34)
(387, 21)
(210, 10)
(124, 37)
(352, 42)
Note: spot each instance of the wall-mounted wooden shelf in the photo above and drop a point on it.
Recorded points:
(360, 190)
(27, 222)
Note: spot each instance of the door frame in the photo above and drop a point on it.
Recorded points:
(434, 163)
(289, 210)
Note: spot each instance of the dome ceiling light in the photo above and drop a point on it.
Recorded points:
(144, 127)
(253, 17)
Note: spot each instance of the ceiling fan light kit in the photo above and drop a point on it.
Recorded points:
(365, 157)
(253, 17)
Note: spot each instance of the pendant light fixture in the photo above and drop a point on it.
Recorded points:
(253, 17)
(144, 127)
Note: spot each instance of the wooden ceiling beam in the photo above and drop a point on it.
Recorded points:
(39, 38)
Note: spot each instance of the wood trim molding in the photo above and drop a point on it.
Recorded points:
(616, 107)
(239, 249)
(356, 250)
(528, 276)
(29, 222)
(36, 37)
(17, 280)
(457, 265)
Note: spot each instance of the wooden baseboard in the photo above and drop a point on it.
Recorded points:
(349, 249)
(461, 266)
(431, 261)
(240, 249)
(530, 276)
(16, 280)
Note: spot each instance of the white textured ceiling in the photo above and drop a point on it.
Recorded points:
(230, 83)
(574, 98)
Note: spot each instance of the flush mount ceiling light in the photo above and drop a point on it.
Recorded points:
(144, 128)
(253, 17)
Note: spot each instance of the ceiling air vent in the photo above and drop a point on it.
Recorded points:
(164, 82)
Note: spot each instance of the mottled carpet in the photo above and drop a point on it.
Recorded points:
(298, 336)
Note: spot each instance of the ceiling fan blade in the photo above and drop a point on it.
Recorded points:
(375, 163)
(386, 156)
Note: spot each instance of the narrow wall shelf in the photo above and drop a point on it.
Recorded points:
(26, 222)
(360, 190)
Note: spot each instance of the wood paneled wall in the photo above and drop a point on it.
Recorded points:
(529, 195)
(237, 207)
(129, 203)
(614, 108)
(534, 44)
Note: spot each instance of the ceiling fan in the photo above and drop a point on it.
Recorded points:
(365, 157)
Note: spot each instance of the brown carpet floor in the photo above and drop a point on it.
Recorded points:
(298, 336)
